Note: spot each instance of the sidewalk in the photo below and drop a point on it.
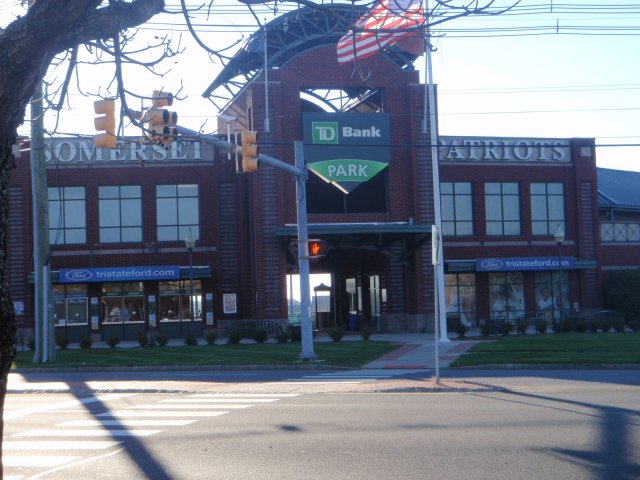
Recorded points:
(418, 351)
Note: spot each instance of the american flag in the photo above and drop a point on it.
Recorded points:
(388, 22)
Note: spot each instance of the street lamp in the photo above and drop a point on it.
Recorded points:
(190, 242)
(559, 237)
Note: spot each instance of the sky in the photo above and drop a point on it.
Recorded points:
(545, 69)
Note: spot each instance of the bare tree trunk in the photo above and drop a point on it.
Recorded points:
(7, 319)
(27, 47)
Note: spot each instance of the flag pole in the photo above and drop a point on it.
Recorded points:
(440, 321)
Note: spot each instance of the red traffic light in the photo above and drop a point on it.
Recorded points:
(316, 248)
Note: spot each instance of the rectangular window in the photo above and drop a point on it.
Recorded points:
(552, 295)
(460, 294)
(502, 207)
(70, 304)
(177, 212)
(506, 296)
(547, 208)
(122, 302)
(67, 218)
(176, 300)
(120, 214)
(457, 212)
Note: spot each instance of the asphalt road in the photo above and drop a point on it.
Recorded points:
(550, 424)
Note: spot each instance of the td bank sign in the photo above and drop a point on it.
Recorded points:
(346, 149)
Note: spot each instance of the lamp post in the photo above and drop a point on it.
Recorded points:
(559, 237)
(190, 242)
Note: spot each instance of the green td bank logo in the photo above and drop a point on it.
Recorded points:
(325, 133)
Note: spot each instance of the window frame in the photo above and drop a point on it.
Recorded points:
(504, 199)
(543, 215)
(175, 204)
(123, 206)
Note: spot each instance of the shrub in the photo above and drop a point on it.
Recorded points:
(31, 344)
(211, 337)
(282, 337)
(505, 328)
(622, 293)
(460, 328)
(634, 325)
(190, 339)
(485, 329)
(86, 342)
(112, 341)
(260, 335)
(521, 326)
(142, 338)
(336, 334)
(566, 326)
(555, 326)
(618, 324)
(234, 337)
(605, 324)
(161, 339)
(593, 325)
(63, 342)
(541, 326)
(580, 325)
(366, 332)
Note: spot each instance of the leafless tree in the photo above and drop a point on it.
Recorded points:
(57, 34)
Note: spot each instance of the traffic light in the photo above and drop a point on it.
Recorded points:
(317, 248)
(161, 122)
(250, 151)
(107, 122)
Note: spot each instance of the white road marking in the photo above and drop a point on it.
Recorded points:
(244, 395)
(142, 413)
(36, 460)
(50, 432)
(125, 422)
(224, 406)
(40, 445)
(48, 407)
(218, 400)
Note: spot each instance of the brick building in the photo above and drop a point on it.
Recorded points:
(118, 219)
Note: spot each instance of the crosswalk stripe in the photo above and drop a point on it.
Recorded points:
(218, 400)
(153, 413)
(86, 433)
(223, 406)
(125, 422)
(23, 445)
(36, 460)
(244, 395)
(21, 412)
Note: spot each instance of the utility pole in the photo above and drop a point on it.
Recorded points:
(299, 171)
(43, 318)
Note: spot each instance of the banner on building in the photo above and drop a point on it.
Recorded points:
(119, 274)
(346, 149)
(523, 263)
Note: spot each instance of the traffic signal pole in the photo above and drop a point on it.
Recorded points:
(299, 171)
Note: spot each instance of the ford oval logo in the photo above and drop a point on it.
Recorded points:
(491, 264)
(78, 275)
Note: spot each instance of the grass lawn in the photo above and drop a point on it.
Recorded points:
(559, 348)
(338, 354)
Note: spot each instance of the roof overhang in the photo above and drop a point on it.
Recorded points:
(382, 237)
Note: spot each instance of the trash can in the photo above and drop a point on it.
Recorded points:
(353, 322)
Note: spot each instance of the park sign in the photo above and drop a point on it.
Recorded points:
(346, 149)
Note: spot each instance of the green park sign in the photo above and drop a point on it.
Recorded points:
(346, 149)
